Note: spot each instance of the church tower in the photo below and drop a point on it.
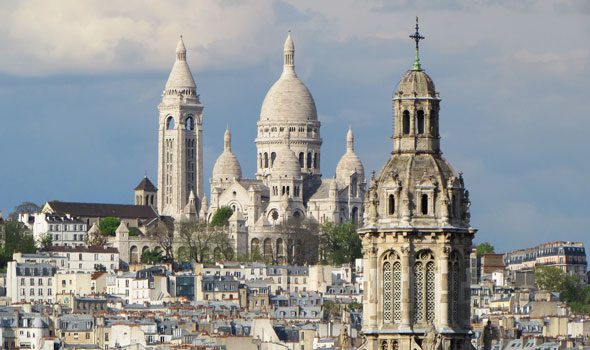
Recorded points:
(180, 151)
(416, 235)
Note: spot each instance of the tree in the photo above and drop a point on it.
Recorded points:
(24, 208)
(108, 225)
(550, 278)
(16, 238)
(221, 217)
(45, 241)
(152, 256)
(484, 248)
(202, 241)
(302, 243)
(339, 243)
(163, 233)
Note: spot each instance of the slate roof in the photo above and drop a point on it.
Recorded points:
(146, 185)
(126, 211)
(81, 249)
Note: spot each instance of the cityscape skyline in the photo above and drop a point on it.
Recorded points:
(524, 170)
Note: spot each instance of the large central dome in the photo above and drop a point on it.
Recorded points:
(288, 100)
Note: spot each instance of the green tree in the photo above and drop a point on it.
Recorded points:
(45, 241)
(484, 248)
(302, 246)
(550, 278)
(221, 217)
(108, 225)
(339, 243)
(16, 238)
(152, 256)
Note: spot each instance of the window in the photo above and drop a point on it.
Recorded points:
(391, 205)
(420, 120)
(301, 159)
(406, 122)
(309, 160)
(392, 279)
(265, 160)
(454, 279)
(424, 204)
(424, 287)
(170, 123)
(273, 156)
(190, 123)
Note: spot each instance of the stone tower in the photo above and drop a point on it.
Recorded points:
(416, 234)
(180, 151)
(290, 108)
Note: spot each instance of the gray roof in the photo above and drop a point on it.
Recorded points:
(99, 210)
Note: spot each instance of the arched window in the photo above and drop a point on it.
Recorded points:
(170, 123)
(424, 288)
(267, 248)
(424, 204)
(454, 279)
(420, 120)
(391, 204)
(190, 123)
(280, 247)
(265, 160)
(433, 122)
(316, 161)
(274, 215)
(355, 215)
(301, 159)
(309, 160)
(273, 156)
(406, 122)
(260, 159)
(255, 247)
(353, 187)
(392, 286)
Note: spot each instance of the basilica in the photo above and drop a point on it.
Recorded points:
(288, 185)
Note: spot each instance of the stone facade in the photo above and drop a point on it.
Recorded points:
(416, 235)
(180, 149)
(288, 183)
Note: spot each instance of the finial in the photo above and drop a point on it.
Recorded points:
(227, 139)
(417, 37)
(349, 140)
(145, 174)
(289, 55)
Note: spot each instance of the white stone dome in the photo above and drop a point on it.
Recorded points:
(349, 162)
(286, 164)
(227, 166)
(288, 100)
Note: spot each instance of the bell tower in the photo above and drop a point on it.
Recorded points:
(417, 236)
(180, 150)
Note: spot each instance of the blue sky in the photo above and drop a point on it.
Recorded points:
(80, 83)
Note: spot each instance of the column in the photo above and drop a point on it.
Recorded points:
(444, 287)
(406, 281)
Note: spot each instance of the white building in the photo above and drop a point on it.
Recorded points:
(86, 259)
(30, 282)
(64, 230)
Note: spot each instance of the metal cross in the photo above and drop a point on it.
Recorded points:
(416, 36)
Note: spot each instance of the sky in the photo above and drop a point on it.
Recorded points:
(80, 82)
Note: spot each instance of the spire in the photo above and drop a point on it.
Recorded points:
(191, 198)
(180, 50)
(349, 140)
(417, 37)
(227, 140)
(289, 55)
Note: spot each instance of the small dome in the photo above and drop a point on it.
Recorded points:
(349, 162)
(288, 100)
(286, 164)
(416, 81)
(227, 165)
